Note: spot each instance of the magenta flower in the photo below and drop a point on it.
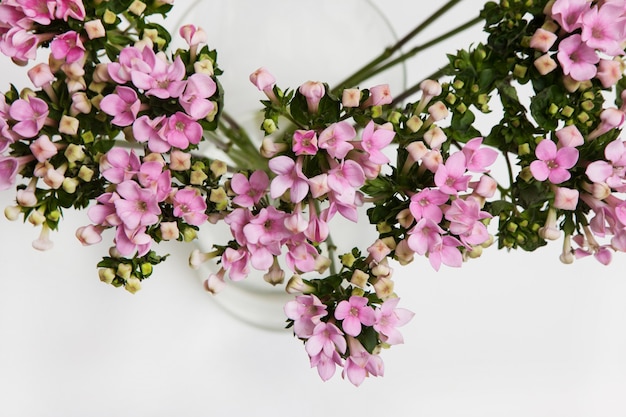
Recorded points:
(577, 59)
(354, 312)
(553, 164)
(249, 190)
(335, 139)
(388, 318)
(70, 8)
(290, 177)
(304, 142)
(189, 205)
(374, 139)
(137, 206)
(130, 60)
(30, 115)
(129, 241)
(20, 45)
(123, 105)
(153, 132)
(182, 130)
(38, 11)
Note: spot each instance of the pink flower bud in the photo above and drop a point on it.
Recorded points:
(313, 91)
(379, 95)
(95, 29)
(350, 97)
(262, 79)
(40, 75)
(193, 35)
(542, 40)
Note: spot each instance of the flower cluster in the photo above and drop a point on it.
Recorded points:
(116, 121)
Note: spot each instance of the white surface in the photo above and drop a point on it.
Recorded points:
(507, 335)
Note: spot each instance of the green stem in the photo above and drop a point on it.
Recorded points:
(416, 49)
(369, 69)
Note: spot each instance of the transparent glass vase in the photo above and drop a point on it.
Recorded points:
(297, 41)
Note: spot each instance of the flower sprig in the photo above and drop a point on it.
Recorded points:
(116, 123)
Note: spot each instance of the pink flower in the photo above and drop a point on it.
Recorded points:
(477, 158)
(335, 139)
(249, 190)
(450, 177)
(577, 59)
(30, 115)
(235, 261)
(190, 205)
(38, 11)
(153, 132)
(70, 8)
(129, 241)
(68, 47)
(192, 34)
(267, 227)
(165, 80)
(568, 13)
(119, 165)
(9, 167)
(425, 235)
(354, 312)
(131, 59)
(427, 204)
(123, 105)
(181, 130)
(375, 138)
(19, 44)
(553, 164)
(612, 172)
(379, 95)
(570, 136)
(326, 339)
(344, 180)
(445, 251)
(565, 198)
(137, 206)
(290, 177)
(305, 311)
(360, 364)
(300, 256)
(388, 318)
(304, 142)
(464, 217)
(602, 30)
(194, 99)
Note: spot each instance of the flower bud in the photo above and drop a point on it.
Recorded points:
(106, 275)
(296, 285)
(12, 213)
(132, 285)
(124, 271)
(95, 29)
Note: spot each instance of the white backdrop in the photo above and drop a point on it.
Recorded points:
(512, 334)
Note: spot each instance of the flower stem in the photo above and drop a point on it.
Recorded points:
(371, 68)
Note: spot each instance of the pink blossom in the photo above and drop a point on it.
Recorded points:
(354, 312)
(30, 115)
(119, 165)
(128, 241)
(465, 221)
(304, 142)
(553, 164)
(542, 40)
(427, 204)
(601, 30)
(235, 261)
(565, 198)
(477, 158)
(70, 8)
(360, 364)
(20, 45)
(424, 235)
(609, 72)
(190, 205)
(344, 179)
(267, 227)
(290, 177)
(326, 339)
(131, 59)
(577, 59)
(9, 168)
(610, 119)
(40, 75)
(123, 105)
(445, 252)
(335, 139)
(568, 13)
(153, 132)
(249, 190)
(264, 81)
(570, 136)
(326, 364)
(68, 47)
(194, 99)
(137, 206)
(450, 177)
(612, 173)
(38, 11)
(388, 318)
(300, 256)
(317, 229)
(305, 311)
(374, 139)
(165, 79)
(181, 131)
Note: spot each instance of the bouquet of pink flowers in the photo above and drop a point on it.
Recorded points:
(115, 121)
